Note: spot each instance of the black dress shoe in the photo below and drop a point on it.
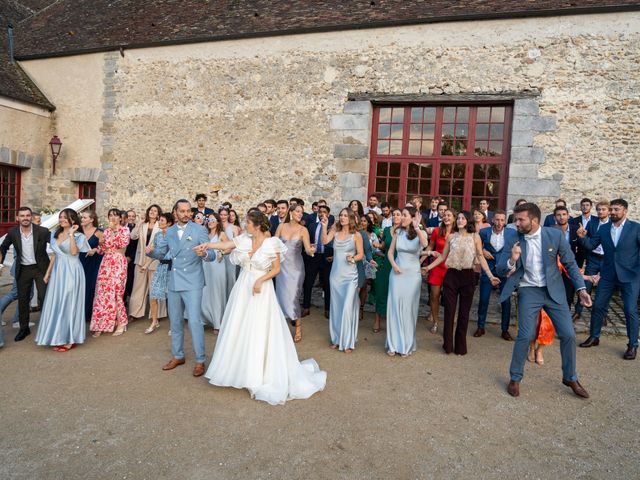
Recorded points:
(507, 336)
(479, 332)
(513, 388)
(590, 342)
(22, 334)
(630, 354)
(576, 387)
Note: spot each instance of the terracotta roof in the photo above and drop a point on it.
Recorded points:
(76, 26)
(14, 82)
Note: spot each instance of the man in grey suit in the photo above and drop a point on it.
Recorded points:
(185, 283)
(529, 260)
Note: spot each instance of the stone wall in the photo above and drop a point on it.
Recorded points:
(270, 117)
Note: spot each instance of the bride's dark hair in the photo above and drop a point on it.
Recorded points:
(259, 219)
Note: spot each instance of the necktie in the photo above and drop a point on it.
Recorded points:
(319, 245)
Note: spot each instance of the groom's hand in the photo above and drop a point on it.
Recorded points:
(585, 298)
(516, 251)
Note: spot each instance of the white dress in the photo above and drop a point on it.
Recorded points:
(254, 349)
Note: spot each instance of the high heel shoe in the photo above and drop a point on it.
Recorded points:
(152, 328)
(434, 329)
(96, 334)
(120, 331)
(539, 358)
(532, 354)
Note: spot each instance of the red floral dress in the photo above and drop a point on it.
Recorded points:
(436, 276)
(108, 305)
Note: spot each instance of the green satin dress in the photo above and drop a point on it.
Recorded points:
(382, 277)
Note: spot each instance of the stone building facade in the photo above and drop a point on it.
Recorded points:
(278, 116)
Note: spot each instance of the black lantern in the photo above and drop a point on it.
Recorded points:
(55, 145)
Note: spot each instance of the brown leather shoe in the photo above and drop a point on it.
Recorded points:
(305, 313)
(630, 354)
(173, 363)
(479, 332)
(590, 342)
(198, 370)
(576, 387)
(507, 336)
(513, 388)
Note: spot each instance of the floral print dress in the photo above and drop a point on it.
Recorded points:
(108, 305)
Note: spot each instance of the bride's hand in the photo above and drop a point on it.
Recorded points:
(257, 287)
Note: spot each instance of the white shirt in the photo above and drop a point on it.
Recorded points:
(28, 256)
(616, 231)
(497, 240)
(599, 250)
(386, 222)
(534, 275)
(181, 231)
(585, 220)
(368, 209)
(433, 214)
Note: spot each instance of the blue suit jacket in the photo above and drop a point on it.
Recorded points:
(553, 244)
(186, 270)
(433, 222)
(485, 236)
(311, 227)
(549, 220)
(275, 223)
(622, 261)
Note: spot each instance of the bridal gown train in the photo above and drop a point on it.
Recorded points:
(254, 349)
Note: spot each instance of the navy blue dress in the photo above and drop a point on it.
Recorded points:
(90, 265)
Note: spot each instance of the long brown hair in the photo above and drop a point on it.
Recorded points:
(411, 230)
(287, 219)
(353, 223)
(218, 229)
(442, 231)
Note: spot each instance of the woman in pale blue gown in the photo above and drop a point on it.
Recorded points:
(405, 281)
(291, 277)
(214, 294)
(62, 321)
(230, 231)
(347, 251)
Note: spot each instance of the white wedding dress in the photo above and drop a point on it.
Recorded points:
(254, 348)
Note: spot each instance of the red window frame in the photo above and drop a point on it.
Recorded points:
(10, 186)
(87, 190)
(420, 167)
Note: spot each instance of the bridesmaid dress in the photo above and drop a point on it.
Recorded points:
(382, 277)
(214, 294)
(290, 279)
(62, 320)
(404, 296)
(91, 266)
(232, 273)
(345, 303)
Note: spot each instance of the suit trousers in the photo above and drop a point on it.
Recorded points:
(483, 303)
(313, 266)
(186, 304)
(530, 301)
(629, 292)
(28, 275)
(457, 284)
(594, 264)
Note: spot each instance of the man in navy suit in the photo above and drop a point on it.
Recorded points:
(493, 240)
(201, 201)
(435, 221)
(586, 205)
(282, 210)
(529, 260)
(569, 230)
(550, 220)
(593, 257)
(320, 263)
(620, 241)
(484, 208)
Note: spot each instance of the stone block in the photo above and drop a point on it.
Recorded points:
(359, 107)
(525, 106)
(527, 155)
(541, 187)
(350, 122)
(352, 165)
(352, 137)
(351, 180)
(5, 155)
(348, 194)
(546, 124)
(523, 170)
(351, 151)
(522, 138)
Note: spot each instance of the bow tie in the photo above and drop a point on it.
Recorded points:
(529, 237)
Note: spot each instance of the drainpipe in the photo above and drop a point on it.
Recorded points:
(10, 34)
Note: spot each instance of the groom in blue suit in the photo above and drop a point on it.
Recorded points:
(185, 283)
(530, 263)
(620, 268)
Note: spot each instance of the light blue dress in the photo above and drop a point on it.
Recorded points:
(345, 303)
(232, 273)
(62, 320)
(403, 299)
(214, 293)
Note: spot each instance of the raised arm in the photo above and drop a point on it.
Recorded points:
(327, 237)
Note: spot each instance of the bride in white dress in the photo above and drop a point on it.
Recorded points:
(254, 349)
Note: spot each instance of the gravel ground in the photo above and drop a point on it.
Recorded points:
(107, 410)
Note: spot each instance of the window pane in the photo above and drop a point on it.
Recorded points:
(494, 172)
(459, 170)
(482, 131)
(381, 184)
(447, 147)
(381, 169)
(463, 115)
(482, 149)
(449, 114)
(479, 172)
(385, 115)
(394, 185)
(414, 147)
(477, 189)
(427, 147)
(462, 130)
(425, 186)
(448, 131)
(445, 170)
(497, 131)
(445, 187)
(493, 188)
(383, 147)
(495, 148)
(461, 147)
(428, 131)
(412, 186)
(394, 169)
(396, 147)
(398, 114)
(483, 114)
(497, 114)
(426, 170)
(416, 115)
(430, 114)
(416, 131)
(413, 170)
(458, 187)
(456, 203)
(384, 131)
(396, 130)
